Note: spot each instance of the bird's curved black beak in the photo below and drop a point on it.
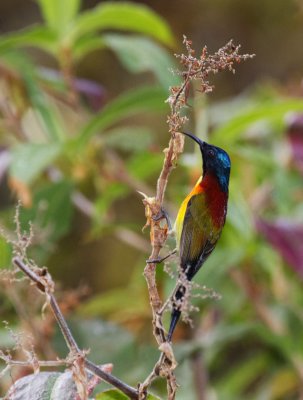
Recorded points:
(195, 138)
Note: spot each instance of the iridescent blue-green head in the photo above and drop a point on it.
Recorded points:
(215, 161)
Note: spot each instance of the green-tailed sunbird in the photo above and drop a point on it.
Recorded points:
(201, 218)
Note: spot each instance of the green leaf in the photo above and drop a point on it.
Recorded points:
(271, 111)
(123, 16)
(49, 115)
(112, 192)
(289, 345)
(59, 14)
(220, 337)
(51, 211)
(140, 54)
(239, 214)
(49, 118)
(256, 156)
(86, 44)
(30, 159)
(5, 253)
(109, 305)
(239, 377)
(114, 394)
(144, 164)
(130, 138)
(129, 103)
(35, 36)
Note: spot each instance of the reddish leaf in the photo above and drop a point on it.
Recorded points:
(287, 238)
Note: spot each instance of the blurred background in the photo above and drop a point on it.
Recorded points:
(83, 126)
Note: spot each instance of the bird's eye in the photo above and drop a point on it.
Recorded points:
(211, 153)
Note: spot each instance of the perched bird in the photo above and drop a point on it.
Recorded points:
(201, 218)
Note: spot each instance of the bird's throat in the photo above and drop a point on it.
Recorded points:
(216, 198)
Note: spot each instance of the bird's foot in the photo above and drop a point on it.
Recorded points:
(163, 214)
(159, 260)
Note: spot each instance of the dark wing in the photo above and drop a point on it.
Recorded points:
(198, 237)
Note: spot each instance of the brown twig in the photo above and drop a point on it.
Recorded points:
(9, 362)
(45, 285)
(194, 69)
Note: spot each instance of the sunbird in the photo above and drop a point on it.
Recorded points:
(201, 218)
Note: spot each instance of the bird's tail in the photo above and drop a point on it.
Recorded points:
(175, 315)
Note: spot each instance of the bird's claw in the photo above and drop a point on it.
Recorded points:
(162, 214)
(159, 260)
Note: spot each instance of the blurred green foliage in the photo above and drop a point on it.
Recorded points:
(115, 394)
(77, 157)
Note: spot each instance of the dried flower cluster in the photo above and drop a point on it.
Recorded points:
(199, 69)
